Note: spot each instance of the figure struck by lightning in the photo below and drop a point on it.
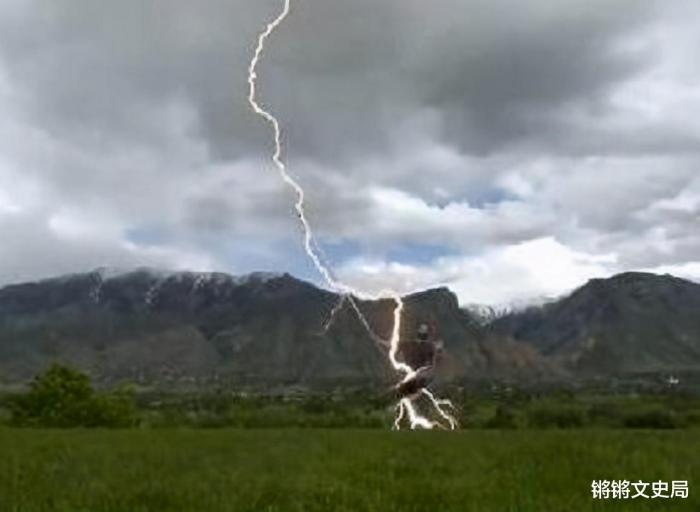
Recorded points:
(414, 378)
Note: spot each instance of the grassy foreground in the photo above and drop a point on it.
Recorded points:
(339, 470)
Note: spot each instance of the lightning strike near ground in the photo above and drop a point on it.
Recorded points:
(407, 404)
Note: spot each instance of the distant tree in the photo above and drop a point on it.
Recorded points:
(63, 397)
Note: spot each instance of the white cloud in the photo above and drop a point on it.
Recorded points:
(533, 270)
(476, 134)
(690, 270)
(35, 246)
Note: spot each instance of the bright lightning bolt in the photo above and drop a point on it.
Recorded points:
(277, 155)
(406, 406)
(399, 415)
(439, 405)
(416, 420)
(299, 206)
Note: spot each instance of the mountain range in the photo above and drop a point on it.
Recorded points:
(632, 322)
(271, 329)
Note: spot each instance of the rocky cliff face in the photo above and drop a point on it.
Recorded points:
(633, 322)
(259, 328)
(269, 329)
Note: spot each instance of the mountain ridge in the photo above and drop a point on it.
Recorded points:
(268, 328)
(633, 321)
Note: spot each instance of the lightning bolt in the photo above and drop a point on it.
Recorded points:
(346, 291)
(334, 312)
(277, 155)
(299, 205)
(406, 406)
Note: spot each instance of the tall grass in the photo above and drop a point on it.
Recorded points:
(337, 470)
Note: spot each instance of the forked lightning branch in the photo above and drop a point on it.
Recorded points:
(414, 375)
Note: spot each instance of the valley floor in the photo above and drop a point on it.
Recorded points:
(340, 470)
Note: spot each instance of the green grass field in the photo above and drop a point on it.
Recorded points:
(339, 470)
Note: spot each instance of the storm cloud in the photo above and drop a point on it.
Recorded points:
(510, 150)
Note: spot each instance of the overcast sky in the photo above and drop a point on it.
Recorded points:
(510, 149)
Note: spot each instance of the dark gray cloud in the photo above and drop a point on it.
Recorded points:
(343, 74)
(495, 130)
(490, 73)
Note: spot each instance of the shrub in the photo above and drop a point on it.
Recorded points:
(63, 397)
